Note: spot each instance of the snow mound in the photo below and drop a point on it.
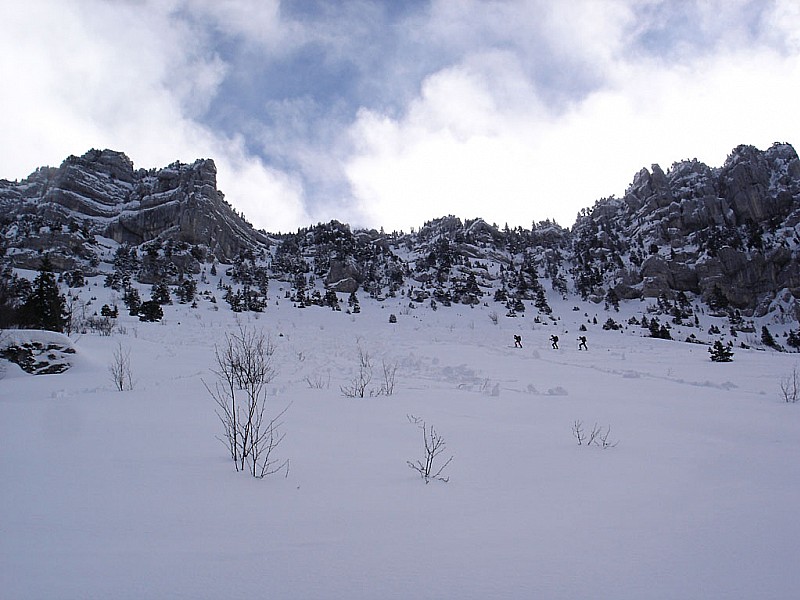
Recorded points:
(37, 352)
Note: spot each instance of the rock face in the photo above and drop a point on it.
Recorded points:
(343, 276)
(100, 193)
(695, 228)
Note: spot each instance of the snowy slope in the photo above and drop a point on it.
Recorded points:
(110, 494)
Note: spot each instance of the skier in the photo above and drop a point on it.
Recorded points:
(518, 341)
(554, 339)
(582, 345)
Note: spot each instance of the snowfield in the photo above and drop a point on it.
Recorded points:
(109, 494)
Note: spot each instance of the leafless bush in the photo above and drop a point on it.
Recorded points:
(362, 378)
(359, 386)
(577, 431)
(604, 442)
(389, 373)
(244, 369)
(493, 317)
(102, 325)
(790, 387)
(434, 446)
(71, 323)
(120, 368)
(318, 381)
(596, 437)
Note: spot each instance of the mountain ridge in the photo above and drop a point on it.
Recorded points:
(726, 235)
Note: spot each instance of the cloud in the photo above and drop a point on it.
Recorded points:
(390, 114)
(120, 75)
(483, 138)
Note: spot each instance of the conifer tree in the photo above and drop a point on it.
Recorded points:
(150, 311)
(794, 339)
(720, 352)
(768, 340)
(45, 307)
(132, 300)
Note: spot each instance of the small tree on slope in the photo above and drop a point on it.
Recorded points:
(720, 352)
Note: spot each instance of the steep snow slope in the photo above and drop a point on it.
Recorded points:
(130, 495)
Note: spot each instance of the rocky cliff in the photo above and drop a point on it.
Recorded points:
(699, 229)
(100, 194)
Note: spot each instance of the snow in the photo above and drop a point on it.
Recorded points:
(109, 494)
(17, 337)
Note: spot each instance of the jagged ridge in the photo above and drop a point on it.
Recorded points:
(100, 194)
(727, 235)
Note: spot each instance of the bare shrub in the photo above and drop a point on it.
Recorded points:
(72, 321)
(603, 441)
(790, 387)
(244, 369)
(102, 325)
(577, 431)
(362, 378)
(364, 373)
(434, 446)
(596, 437)
(389, 374)
(120, 368)
(319, 381)
(493, 317)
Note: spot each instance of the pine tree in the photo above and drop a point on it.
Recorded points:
(160, 293)
(186, 291)
(768, 340)
(45, 307)
(794, 339)
(13, 292)
(150, 311)
(612, 299)
(352, 302)
(720, 352)
(132, 301)
(331, 300)
(541, 301)
(717, 300)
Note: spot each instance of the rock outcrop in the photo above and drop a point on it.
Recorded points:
(695, 228)
(100, 193)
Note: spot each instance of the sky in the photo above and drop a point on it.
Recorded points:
(392, 113)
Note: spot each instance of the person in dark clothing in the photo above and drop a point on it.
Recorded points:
(582, 345)
(518, 341)
(554, 340)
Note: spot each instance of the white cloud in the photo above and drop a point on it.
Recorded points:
(268, 198)
(256, 21)
(463, 148)
(540, 108)
(118, 75)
